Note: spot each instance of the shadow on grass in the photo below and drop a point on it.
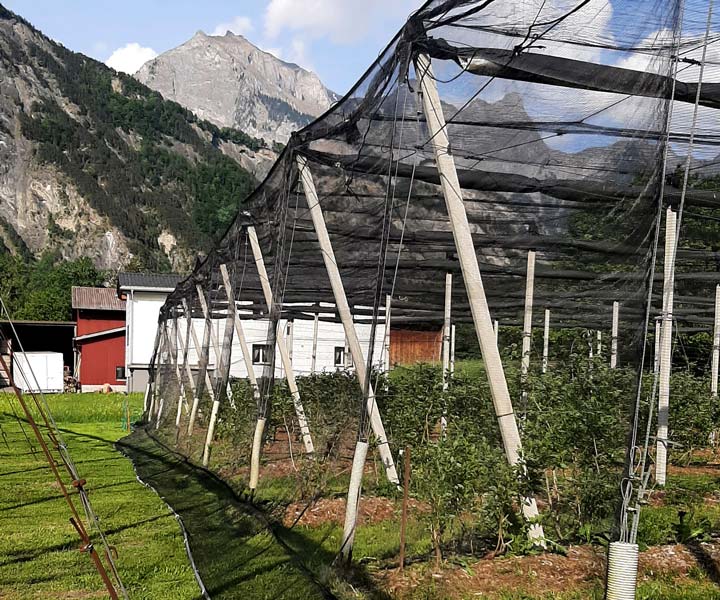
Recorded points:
(238, 552)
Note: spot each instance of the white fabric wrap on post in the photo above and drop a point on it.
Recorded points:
(622, 571)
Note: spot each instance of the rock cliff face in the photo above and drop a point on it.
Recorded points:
(92, 163)
(231, 83)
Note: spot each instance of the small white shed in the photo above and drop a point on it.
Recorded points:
(38, 371)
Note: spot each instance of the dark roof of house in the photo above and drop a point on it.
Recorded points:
(96, 298)
(160, 282)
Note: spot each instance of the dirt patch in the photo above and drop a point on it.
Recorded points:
(582, 568)
(372, 510)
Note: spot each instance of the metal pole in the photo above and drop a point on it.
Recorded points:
(473, 282)
(546, 341)
(280, 342)
(614, 334)
(665, 349)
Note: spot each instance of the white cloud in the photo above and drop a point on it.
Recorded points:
(342, 21)
(130, 58)
(238, 26)
(298, 54)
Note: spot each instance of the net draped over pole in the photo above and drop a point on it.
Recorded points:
(527, 154)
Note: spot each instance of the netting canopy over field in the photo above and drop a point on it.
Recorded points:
(531, 149)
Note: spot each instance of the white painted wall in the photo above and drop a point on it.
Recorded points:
(143, 309)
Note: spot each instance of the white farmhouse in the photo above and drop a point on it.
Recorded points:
(146, 293)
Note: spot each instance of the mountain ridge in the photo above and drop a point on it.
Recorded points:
(251, 88)
(93, 163)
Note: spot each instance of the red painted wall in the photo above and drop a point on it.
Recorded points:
(92, 321)
(100, 356)
(99, 359)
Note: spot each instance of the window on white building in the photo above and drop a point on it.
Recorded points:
(261, 354)
(339, 356)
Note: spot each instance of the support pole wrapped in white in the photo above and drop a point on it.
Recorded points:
(614, 334)
(716, 345)
(451, 190)
(353, 500)
(255, 457)
(546, 341)
(446, 330)
(665, 349)
(452, 350)
(622, 571)
(527, 320)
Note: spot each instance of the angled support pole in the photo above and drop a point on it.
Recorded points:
(185, 349)
(200, 350)
(150, 387)
(280, 342)
(614, 334)
(343, 308)
(661, 448)
(473, 282)
(222, 368)
(175, 354)
(213, 337)
(247, 358)
(353, 342)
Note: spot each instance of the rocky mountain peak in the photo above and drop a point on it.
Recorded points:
(233, 83)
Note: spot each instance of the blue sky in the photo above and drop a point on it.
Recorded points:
(338, 39)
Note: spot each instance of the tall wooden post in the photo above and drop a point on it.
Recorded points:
(614, 334)
(280, 342)
(353, 342)
(496, 330)
(546, 341)
(715, 346)
(665, 349)
(471, 275)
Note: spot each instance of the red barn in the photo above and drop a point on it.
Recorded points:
(100, 338)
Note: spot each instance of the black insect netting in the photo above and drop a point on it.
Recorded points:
(566, 143)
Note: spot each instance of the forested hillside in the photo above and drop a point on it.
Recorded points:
(95, 164)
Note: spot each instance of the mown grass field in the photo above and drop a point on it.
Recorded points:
(38, 546)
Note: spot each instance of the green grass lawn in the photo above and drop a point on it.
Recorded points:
(38, 546)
